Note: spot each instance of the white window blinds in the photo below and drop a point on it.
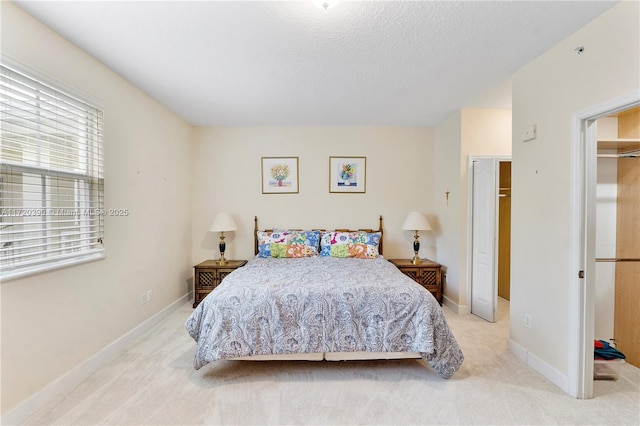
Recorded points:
(51, 178)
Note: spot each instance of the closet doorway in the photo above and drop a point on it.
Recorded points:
(489, 234)
(584, 147)
(617, 286)
(504, 231)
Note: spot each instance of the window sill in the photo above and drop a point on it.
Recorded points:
(22, 273)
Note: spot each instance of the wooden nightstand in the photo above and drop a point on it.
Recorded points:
(428, 274)
(208, 275)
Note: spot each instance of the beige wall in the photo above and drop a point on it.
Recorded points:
(469, 132)
(448, 135)
(227, 177)
(54, 321)
(547, 92)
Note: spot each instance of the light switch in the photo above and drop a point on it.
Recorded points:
(529, 133)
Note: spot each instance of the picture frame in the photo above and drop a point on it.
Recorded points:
(348, 174)
(280, 175)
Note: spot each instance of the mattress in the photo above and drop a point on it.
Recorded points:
(322, 305)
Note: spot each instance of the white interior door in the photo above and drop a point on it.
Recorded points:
(484, 277)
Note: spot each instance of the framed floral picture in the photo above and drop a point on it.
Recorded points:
(347, 174)
(279, 175)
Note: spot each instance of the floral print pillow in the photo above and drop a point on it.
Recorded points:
(288, 243)
(358, 244)
(269, 240)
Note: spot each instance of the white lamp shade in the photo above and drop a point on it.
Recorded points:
(223, 222)
(416, 221)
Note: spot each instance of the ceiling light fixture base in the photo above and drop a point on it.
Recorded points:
(324, 4)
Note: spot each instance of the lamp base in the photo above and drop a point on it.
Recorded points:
(416, 249)
(222, 247)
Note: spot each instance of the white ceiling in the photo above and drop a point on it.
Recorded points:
(290, 63)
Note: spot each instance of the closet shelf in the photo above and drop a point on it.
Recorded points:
(619, 144)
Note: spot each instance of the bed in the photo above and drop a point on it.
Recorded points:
(321, 302)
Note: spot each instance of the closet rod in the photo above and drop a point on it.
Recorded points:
(624, 154)
(618, 259)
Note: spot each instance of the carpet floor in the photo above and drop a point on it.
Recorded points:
(154, 383)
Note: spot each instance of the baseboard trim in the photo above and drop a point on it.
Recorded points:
(517, 350)
(458, 309)
(71, 379)
(547, 371)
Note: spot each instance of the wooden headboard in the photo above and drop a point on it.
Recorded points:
(256, 229)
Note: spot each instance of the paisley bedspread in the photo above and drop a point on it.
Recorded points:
(321, 304)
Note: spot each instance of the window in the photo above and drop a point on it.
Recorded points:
(51, 179)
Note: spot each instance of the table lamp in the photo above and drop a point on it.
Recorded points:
(415, 221)
(222, 222)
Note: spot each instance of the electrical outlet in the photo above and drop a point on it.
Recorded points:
(527, 320)
(143, 298)
(149, 294)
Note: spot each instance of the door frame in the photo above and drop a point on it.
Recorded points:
(582, 240)
(470, 160)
